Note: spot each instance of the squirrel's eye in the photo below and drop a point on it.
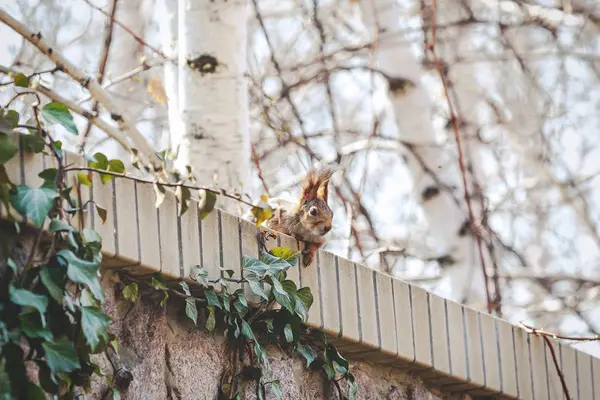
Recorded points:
(313, 211)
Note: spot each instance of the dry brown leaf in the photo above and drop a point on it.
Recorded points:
(157, 91)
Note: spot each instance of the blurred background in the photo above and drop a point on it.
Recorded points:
(361, 85)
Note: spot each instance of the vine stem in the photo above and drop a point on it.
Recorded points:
(557, 367)
(461, 161)
(542, 332)
(221, 192)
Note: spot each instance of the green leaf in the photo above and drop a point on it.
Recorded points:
(183, 196)
(281, 295)
(87, 299)
(49, 175)
(101, 213)
(57, 225)
(199, 274)
(85, 179)
(26, 298)
(45, 377)
(257, 288)
(61, 355)
(116, 166)
(262, 213)
(305, 297)
(57, 113)
(328, 367)
(91, 239)
(165, 298)
(247, 331)
(34, 392)
(12, 265)
(94, 324)
(275, 264)
(34, 203)
(190, 309)
(84, 272)
(185, 287)
(276, 389)
(57, 147)
(115, 345)
(130, 292)
(100, 162)
(53, 279)
(8, 148)
(31, 325)
(206, 203)
(285, 254)
(32, 143)
(307, 352)
(116, 395)
(289, 335)
(211, 298)
(21, 80)
(210, 321)
(352, 390)
(158, 282)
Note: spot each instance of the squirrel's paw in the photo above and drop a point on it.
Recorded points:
(308, 254)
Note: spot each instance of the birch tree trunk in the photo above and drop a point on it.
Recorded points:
(169, 43)
(213, 132)
(447, 220)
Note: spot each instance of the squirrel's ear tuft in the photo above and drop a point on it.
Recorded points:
(316, 185)
(323, 183)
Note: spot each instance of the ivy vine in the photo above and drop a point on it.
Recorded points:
(51, 316)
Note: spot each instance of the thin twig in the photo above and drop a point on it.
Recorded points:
(461, 161)
(559, 372)
(108, 35)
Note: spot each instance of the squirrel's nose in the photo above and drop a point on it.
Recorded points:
(326, 229)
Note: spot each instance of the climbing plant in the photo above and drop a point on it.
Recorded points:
(51, 319)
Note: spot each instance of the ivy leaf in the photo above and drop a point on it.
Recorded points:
(287, 332)
(34, 203)
(130, 292)
(254, 266)
(100, 161)
(8, 148)
(116, 166)
(115, 345)
(185, 287)
(57, 225)
(247, 331)
(116, 395)
(31, 325)
(101, 213)
(190, 309)
(49, 175)
(12, 265)
(276, 389)
(262, 211)
(281, 295)
(53, 279)
(165, 298)
(211, 298)
(94, 324)
(307, 352)
(304, 300)
(57, 148)
(352, 390)
(32, 143)
(210, 321)
(61, 355)
(206, 203)
(21, 80)
(159, 190)
(91, 239)
(158, 282)
(199, 274)
(87, 299)
(85, 179)
(257, 288)
(84, 272)
(285, 254)
(274, 264)
(26, 298)
(183, 196)
(328, 367)
(57, 113)
(34, 392)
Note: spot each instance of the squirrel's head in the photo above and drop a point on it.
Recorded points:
(314, 212)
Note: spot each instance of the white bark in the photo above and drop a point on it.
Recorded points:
(411, 110)
(169, 40)
(213, 137)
